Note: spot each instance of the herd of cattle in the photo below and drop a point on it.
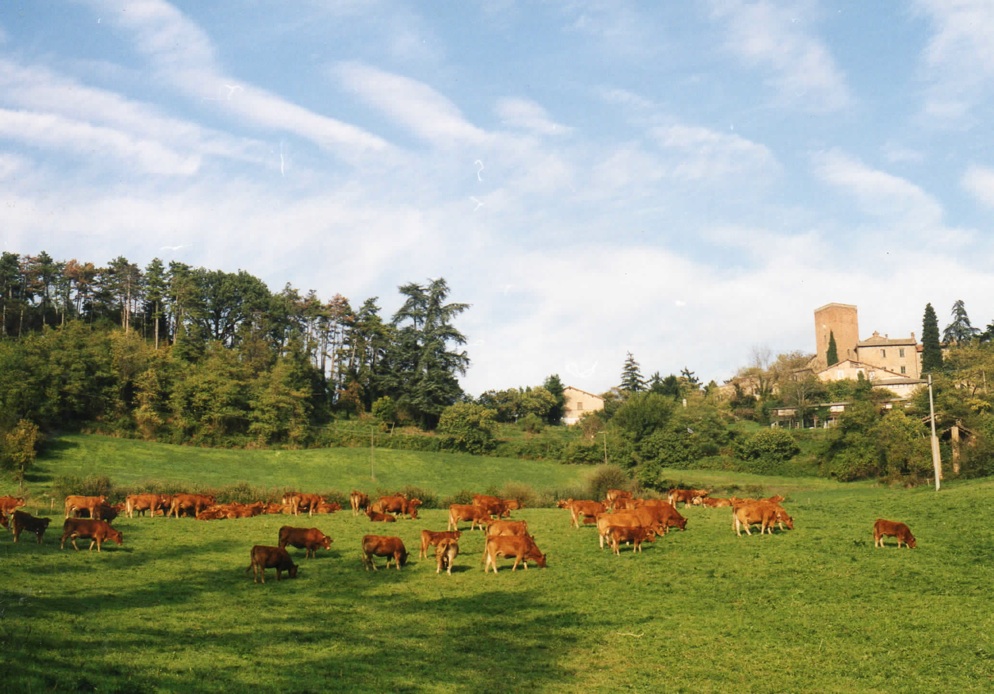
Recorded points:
(620, 519)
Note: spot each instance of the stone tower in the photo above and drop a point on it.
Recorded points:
(841, 321)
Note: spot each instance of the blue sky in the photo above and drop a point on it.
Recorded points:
(686, 181)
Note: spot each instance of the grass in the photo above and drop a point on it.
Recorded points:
(813, 609)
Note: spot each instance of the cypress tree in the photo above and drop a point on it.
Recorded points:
(931, 348)
(832, 356)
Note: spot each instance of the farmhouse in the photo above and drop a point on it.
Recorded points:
(579, 402)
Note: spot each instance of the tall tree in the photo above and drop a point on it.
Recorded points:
(155, 295)
(425, 356)
(631, 375)
(931, 348)
(959, 330)
(554, 385)
(832, 355)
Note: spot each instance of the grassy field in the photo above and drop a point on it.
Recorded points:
(816, 609)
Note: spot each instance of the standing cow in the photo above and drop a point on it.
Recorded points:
(20, 521)
(263, 558)
(95, 530)
(308, 539)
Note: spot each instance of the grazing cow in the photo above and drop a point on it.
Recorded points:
(639, 518)
(308, 539)
(358, 501)
(662, 514)
(636, 536)
(153, 503)
(91, 504)
(378, 517)
(20, 520)
(495, 506)
(263, 557)
(383, 546)
(9, 503)
(765, 513)
(96, 530)
(412, 508)
(582, 507)
(190, 504)
(429, 538)
(476, 515)
(446, 553)
(521, 548)
(885, 528)
(507, 527)
(298, 501)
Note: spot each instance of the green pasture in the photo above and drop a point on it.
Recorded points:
(816, 609)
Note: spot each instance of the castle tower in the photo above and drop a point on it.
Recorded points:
(841, 321)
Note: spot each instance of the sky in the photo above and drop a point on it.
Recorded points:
(684, 181)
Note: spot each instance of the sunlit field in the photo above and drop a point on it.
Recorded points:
(813, 609)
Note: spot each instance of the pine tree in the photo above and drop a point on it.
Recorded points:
(832, 356)
(960, 330)
(554, 385)
(631, 375)
(931, 348)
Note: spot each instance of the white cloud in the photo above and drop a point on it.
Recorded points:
(959, 58)
(527, 115)
(979, 182)
(414, 105)
(774, 38)
(700, 153)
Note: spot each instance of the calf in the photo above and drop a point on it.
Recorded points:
(298, 501)
(9, 503)
(97, 531)
(885, 528)
(636, 536)
(153, 503)
(378, 517)
(445, 553)
(263, 557)
(584, 508)
(383, 546)
(308, 539)
(429, 538)
(20, 520)
(521, 548)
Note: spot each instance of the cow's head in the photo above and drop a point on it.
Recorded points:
(115, 535)
(540, 559)
(326, 542)
(910, 541)
(292, 571)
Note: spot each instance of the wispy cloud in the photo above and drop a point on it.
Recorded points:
(959, 58)
(183, 56)
(410, 103)
(776, 38)
(700, 153)
(527, 115)
(978, 181)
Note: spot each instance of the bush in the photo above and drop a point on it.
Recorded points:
(83, 486)
(769, 446)
(606, 477)
(468, 427)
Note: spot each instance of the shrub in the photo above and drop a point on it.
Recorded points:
(468, 427)
(769, 446)
(84, 486)
(606, 477)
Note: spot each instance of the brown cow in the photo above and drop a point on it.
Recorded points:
(9, 503)
(153, 503)
(358, 501)
(20, 520)
(92, 504)
(885, 528)
(765, 513)
(412, 508)
(715, 502)
(687, 496)
(446, 553)
(96, 530)
(583, 507)
(476, 515)
(521, 548)
(378, 517)
(383, 546)
(507, 527)
(429, 538)
(638, 518)
(4, 520)
(298, 501)
(190, 504)
(395, 503)
(263, 557)
(495, 506)
(328, 507)
(662, 513)
(308, 539)
(636, 536)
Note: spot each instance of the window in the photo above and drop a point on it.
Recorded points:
(579, 406)
(900, 353)
(883, 354)
(904, 370)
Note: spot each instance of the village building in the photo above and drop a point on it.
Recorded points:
(579, 402)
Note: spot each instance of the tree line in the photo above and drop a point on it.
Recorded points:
(188, 354)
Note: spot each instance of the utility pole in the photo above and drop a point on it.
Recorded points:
(372, 435)
(604, 434)
(936, 457)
